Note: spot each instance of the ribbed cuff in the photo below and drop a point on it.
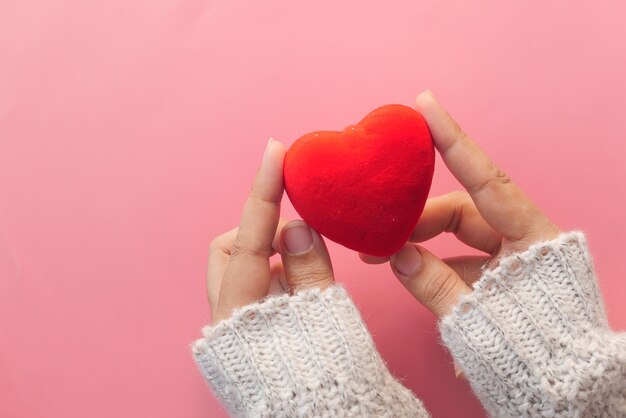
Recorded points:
(533, 340)
(309, 354)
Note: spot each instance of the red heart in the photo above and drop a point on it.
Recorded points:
(366, 186)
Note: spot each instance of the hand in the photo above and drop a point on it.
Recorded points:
(493, 215)
(239, 270)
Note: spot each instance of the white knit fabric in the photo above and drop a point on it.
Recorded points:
(532, 339)
(307, 355)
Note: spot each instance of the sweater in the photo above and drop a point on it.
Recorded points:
(532, 340)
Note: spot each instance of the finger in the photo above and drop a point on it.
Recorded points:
(468, 268)
(501, 203)
(456, 213)
(305, 258)
(371, 259)
(277, 280)
(219, 253)
(431, 281)
(247, 276)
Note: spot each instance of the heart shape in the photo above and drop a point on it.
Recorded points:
(366, 186)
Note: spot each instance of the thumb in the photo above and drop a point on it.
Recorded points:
(431, 281)
(305, 258)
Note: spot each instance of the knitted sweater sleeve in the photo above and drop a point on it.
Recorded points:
(304, 355)
(533, 339)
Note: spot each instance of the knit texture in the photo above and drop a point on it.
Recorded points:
(533, 339)
(306, 355)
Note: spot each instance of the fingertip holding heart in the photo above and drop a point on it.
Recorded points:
(364, 187)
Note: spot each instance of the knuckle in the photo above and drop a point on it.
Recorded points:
(458, 136)
(460, 133)
(221, 243)
(213, 246)
(262, 199)
(459, 196)
(461, 200)
(492, 244)
(239, 249)
(497, 177)
(438, 288)
(310, 276)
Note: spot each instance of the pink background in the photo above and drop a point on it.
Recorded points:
(130, 132)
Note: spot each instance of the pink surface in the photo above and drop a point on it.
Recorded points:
(130, 133)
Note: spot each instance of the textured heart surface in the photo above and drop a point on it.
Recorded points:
(366, 186)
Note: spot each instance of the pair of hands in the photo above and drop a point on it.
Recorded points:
(492, 215)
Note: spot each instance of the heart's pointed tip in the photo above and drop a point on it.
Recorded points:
(381, 253)
(377, 254)
(374, 249)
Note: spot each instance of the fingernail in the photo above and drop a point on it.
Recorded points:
(458, 373)
(297, 239)
(407, 261)
(267, 149)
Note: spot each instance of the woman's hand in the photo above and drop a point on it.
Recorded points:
(493, 215)
(239, 270)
